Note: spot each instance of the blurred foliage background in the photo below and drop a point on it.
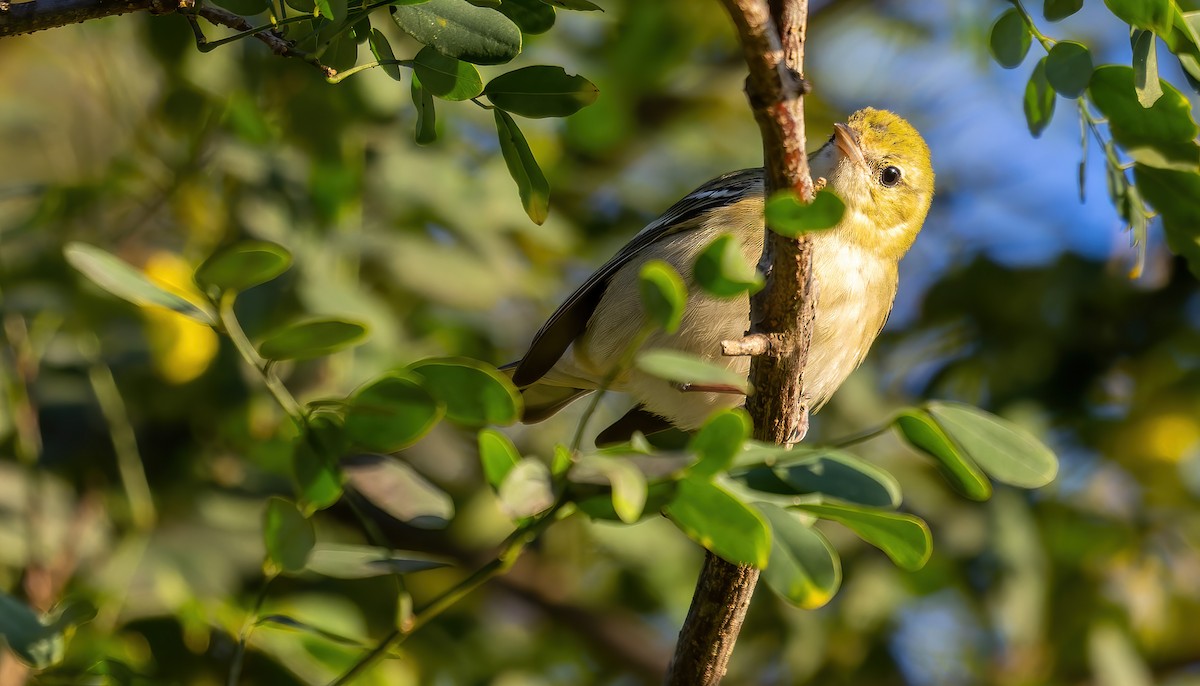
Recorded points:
(1016, 298)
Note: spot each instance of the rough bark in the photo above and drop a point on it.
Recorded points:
(26, 17)
(772, 37)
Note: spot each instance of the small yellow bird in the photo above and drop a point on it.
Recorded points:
(876, 163)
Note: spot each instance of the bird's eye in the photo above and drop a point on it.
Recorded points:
(890, 176)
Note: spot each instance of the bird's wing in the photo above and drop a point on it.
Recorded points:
(571, 318)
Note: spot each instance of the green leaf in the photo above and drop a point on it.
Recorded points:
(382, 50)
(541, 91)
(34, 643)
(924, 435)
(578, 5)
(788, 216)
(278, 621)
(426, 131)
(1069, 68)
(531, 183)
(397, 489)
(1173, 194)
(658, 494)
(287, 534)
(243, 265)
(460, 30)
(627, 482)
(533, 16)
(314, 462)
(829, 473)
(446, 77)
(664, 295)
(1057, 10)
(682, 368)
(527, 490)
(334, 10)
(1005, 451)
(340, 561)
(804, 568)
(498, 456)
(1166, 126)
(1039, 100)
(312, 338)
(474, 393)
(119, 278)
(391, 413)
(1145, 68)
(719, 441)
(905, 538)
(1010, 39)
(721, 269)
(724, 525)
(1152, 15)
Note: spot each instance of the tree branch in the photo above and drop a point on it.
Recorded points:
(772, 37)
(17, 18)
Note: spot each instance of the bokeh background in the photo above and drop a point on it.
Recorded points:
(1016, 298)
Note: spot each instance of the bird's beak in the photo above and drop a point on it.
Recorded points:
(846, 140)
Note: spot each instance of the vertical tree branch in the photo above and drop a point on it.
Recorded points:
(772, 37)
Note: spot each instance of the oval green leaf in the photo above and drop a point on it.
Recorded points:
(528, 490)
(446, 77)
(459, 29)
(397, 489)
(312, 338)
(832, 474)
(426, 129)
(721, 269)
(1163, 129)
(287, 534)
(314, 463)
(531, 182)
(497, 455)
(1010, 39)
(474, 393)
(1039, 100)
(577, 5)
(1057, 10)
(724, 525)
(541, 91)
(788, 216)
(719, 441)
(664, 295)
(382, 50)
(682, 368)
(1152, 15)
(1145, 67)
(626, 481)
(1069, 68)
(1173, 194)
(904, 538)
(804, 568)
(119, 278)
(341, 561)
(924, 435)
(243, 265)
(533, 16)
(1006, 451)
(391, 413)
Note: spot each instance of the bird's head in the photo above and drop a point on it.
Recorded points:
(879, 166)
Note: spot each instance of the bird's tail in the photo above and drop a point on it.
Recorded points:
(542, 400)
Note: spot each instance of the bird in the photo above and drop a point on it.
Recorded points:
(877, 164)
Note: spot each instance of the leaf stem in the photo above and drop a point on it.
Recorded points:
(240, 341)
(235, 667)
(342, 75)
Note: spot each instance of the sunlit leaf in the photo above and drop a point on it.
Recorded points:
(342, 561)
(1039, 100)
(312, 338)
(804, 568)
(1151, 135)
(446, 77)
(531, 182)
(721, 269)
(1145, 68)
(119, 278)
(1152, 15)
(1005, 451)
(243, 265)
(685, 369)
(397, 489)
(923, 434)
(287, 534)
(461, 30)
(498, 456)
(541, 91)
(717, 520)
(905, 538)
(1009, 39)
(474, 393)
(527, 490)
(788, 216)
(719, 441)
(626, 481)
(1173, 194)
(664, 295)
(391, 413)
